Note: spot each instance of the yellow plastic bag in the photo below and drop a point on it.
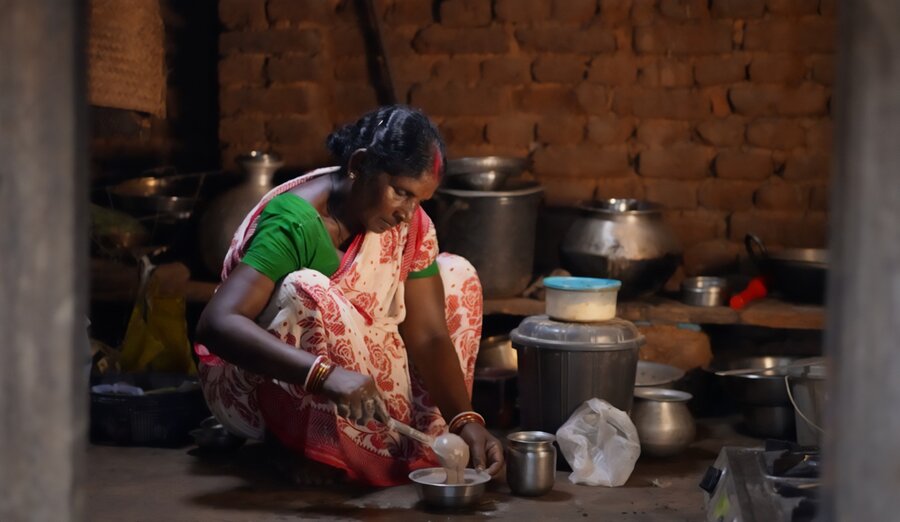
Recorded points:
(156, 339)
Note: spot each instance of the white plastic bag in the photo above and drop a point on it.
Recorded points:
(600, 443)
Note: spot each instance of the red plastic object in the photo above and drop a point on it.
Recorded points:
(756, 289)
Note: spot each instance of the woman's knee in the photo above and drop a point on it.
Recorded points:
(456, 266)
(459, 276)
(299, 291)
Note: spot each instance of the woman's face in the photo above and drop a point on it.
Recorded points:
(386, 201)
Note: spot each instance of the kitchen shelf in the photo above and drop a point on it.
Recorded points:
(771, 313)
(113, 281)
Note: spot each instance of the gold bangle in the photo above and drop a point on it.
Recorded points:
(319, 371)
(310, 374)
(316, 385)
(328, 367)
(460, 420)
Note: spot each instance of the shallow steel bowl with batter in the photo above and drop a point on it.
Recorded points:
(449, 496)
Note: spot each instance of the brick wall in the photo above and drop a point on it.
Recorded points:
(719, 109)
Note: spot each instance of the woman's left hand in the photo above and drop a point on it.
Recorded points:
(485, 450)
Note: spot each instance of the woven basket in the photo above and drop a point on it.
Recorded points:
(126, 56)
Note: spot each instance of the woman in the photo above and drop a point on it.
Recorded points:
(336, 311)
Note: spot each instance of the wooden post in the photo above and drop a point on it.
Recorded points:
(862, 456)
(43, 259)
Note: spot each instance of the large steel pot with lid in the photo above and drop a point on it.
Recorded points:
(622, 239)
(493, 229)
(562, 364)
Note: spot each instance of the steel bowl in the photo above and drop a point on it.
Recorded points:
(483, 173)
(173, 197)
(656, 374)
(704, 291)
(434, 493)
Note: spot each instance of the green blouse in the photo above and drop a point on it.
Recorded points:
(291, 235)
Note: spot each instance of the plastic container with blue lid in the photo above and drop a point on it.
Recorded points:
(581, 299)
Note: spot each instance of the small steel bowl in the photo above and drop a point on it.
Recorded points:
(704, 291)
(486, 173)
(434, 493)
(656, 374)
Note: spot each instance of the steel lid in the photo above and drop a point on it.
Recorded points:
(540, 331)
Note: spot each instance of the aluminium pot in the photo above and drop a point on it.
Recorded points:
(797, 273)
(225, 213)
(562, 364)
(493, 230)
(761, 397)
(806, 387)
(663, 422)
(624, 239)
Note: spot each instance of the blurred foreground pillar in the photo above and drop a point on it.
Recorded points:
(43, 259)
(863, 336)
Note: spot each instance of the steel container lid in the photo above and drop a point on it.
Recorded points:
(540, 331)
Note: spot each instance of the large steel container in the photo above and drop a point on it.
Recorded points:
(561, 365)
(226, 212)
(494, 230)
(622, 239)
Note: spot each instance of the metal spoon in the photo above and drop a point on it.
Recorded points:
(451, 450)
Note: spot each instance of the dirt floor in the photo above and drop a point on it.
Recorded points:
(148, 484)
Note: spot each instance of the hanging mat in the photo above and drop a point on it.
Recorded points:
(126, 56)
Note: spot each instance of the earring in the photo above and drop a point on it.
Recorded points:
(352, 175)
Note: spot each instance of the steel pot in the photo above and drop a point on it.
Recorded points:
(622, 239)
(762, 397)
(663, 422)
(704, 291)
(226, 212)
(494, 230)
(806, 391)
(798, 273)
(530, 463)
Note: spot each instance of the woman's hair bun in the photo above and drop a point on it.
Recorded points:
(398, 139)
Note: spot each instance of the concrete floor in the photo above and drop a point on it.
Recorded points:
(148, 484)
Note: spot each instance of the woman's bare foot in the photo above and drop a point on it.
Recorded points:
(299, 470)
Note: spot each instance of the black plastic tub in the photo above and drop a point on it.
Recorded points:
(161, 418)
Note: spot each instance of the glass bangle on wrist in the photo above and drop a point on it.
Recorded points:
(319, 371)
(456, 424)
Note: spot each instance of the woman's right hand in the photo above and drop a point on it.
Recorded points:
(356, 396)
